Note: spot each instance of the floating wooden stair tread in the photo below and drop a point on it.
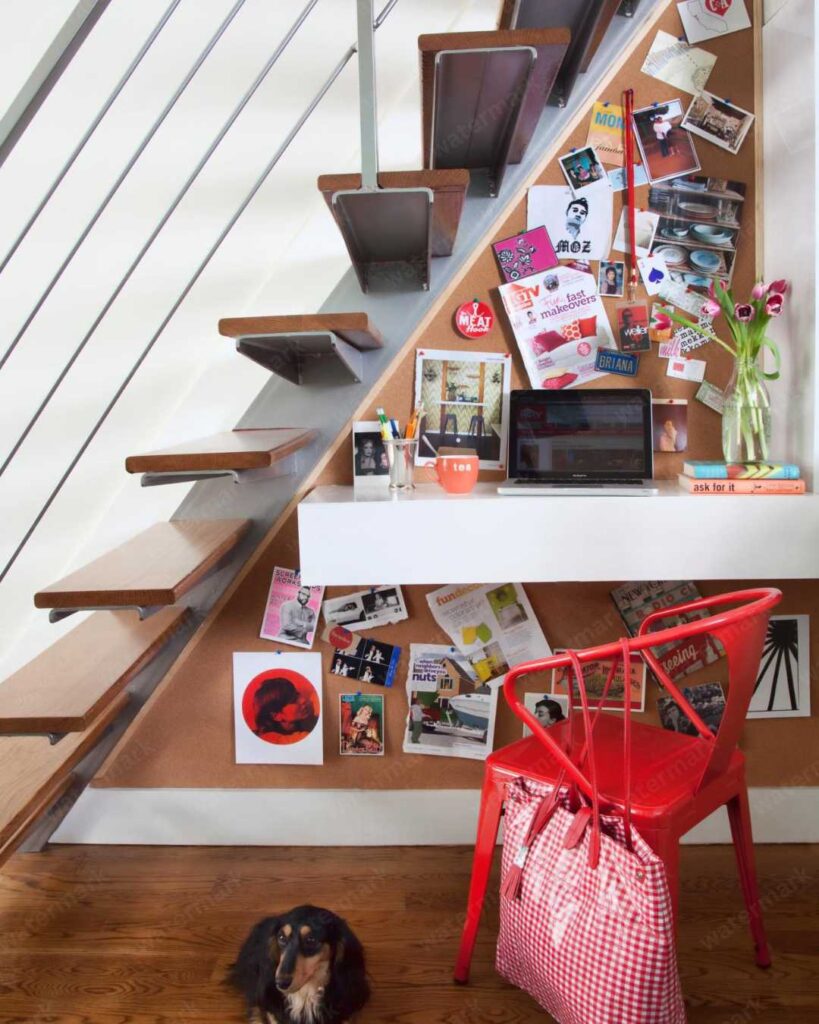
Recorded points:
(449, 187)
(47, 799)
(316, 349)
(67, 687)
(157, 567)
(483, 94)
(587, 20)
(232, 450)
(31, 770)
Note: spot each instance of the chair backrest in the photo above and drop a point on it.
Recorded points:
(741, 633)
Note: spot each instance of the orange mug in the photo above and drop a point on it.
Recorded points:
(457, 472)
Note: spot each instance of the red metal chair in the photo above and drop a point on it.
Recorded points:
(677, 780)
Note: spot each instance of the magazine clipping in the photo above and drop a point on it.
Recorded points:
(366, 609)
(451, 712)
(493, 624)
(291, 613)
(559, 323)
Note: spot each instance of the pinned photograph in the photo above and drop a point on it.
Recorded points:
(583, 170)
(579, 226)
(277, 708)
(366, 609)
(610, 278)
(719, 121)
(291, 613)
(707, 700)
(358, 657)
(361, 724)
(371, 469)
(670, 423)
(679, 65)
(645, 227)
(548, 709)
(782, 688)
(712, 19)
(465, 396)
(666, 148)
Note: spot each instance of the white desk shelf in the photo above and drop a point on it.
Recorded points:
(433, 537)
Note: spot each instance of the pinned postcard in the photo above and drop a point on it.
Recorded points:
(718, 120)
(673, 61)
(277, 708)
(291, 613)
(711, 19)
(525, 254)
(595, 677)
(358, 657)
(676, 293)
(653, 271)
(645, 226)
(606, 132)
(361, 724)
(617, 178)
(710, 395)
(579, 226)
(686, 369)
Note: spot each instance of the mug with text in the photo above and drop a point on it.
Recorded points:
(456, 472)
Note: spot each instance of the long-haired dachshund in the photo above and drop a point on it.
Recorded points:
(303, 967)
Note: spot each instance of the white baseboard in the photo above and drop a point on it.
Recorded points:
(322, 817)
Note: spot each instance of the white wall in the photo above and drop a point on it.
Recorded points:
(790, 220)
(284, 256)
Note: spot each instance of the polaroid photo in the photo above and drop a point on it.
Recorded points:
(371, 469)
(719, 121)
(583, 171)
(645, 226)
(465, 396)
(707, 699)
(679, 65)
(366, 609)
(361, 724)
(712, 19)
(579, 226)
(782, 687)
(610, 279)
(666, 148)
(277, 708)
(548, 708)
(670, 424)
(595, 675)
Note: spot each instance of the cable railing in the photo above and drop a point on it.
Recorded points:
(214, 248)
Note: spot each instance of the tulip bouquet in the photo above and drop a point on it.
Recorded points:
(746, 417)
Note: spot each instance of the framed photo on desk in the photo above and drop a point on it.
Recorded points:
(465, 396)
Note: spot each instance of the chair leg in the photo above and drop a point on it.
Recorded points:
(739, 815)
(488, 821)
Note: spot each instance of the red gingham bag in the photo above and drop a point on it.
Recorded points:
(586, 923)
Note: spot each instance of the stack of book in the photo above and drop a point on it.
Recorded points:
(741, 478)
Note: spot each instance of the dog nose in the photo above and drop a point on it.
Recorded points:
(283, 983)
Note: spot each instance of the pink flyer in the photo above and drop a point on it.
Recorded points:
(525, 254)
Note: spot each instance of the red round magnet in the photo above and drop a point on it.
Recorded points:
(474, 319)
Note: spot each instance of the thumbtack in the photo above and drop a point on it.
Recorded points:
(727, 99)
(358, 693)
(573, 149)
(607, 103)
(655, 104)
(681, 39)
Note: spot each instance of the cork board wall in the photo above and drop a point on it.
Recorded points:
(184, 735)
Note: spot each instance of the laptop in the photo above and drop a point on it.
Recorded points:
(580, 442)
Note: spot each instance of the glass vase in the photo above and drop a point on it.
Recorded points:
(746, 414)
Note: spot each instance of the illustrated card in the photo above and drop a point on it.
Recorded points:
(525, 254)
(712, 19)
(361, 724)
(606, 132)
(579, 226)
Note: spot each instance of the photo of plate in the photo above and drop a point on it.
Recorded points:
(705, 260)
(697, 280)
(672, 254)
(692, 186)
(673, 233)
(710, 234)
(699, 210)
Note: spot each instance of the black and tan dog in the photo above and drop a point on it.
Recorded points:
(303, 967)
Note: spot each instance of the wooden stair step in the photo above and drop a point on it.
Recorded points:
(157, 567)
(468, 89)
(231, 450)
(68, 686)
(31, 770)
(48, 798)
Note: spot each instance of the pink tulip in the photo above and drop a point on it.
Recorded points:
(743, 312)
(773, 307)
(778, 288)
(759, 290)
(711, 308)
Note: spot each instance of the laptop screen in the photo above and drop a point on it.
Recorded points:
(604, 434)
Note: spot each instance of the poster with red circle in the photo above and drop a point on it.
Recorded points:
(277, 708)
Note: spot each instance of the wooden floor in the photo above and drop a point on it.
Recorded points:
(125, 935)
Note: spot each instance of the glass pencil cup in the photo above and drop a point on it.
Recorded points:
(401, 452)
